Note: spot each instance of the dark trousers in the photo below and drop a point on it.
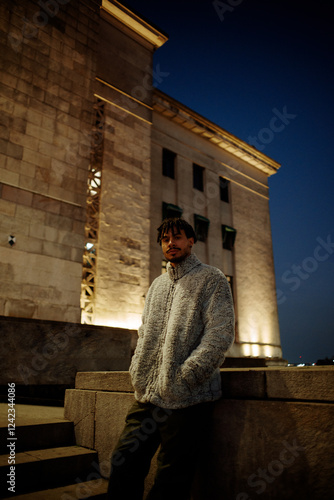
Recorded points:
(181, 434)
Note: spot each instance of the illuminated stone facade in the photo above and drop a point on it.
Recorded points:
(235, 195)
(48, 67)
(86, 153)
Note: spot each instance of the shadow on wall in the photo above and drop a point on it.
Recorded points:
(270, 449)
(45, 353)
(271, 436)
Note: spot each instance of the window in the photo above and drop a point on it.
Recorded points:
(168, 163)
(201, 226)
(170, 210)
(224, 185)
(228, 235)
(198, 177)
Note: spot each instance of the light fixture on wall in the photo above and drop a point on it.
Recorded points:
(11, 240)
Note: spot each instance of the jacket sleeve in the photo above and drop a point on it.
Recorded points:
(218, 335)
(141, 328)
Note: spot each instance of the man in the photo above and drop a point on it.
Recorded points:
(187, 327)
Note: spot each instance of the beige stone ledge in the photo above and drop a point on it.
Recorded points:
(309, 383)
(104, 381)
(300, 383)
(278, 421)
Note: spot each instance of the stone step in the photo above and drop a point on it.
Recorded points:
(95, 489)
(36, 470)
(38, 436)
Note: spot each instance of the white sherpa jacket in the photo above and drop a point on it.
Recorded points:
(187, 327)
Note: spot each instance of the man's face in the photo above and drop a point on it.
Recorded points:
(176, 246)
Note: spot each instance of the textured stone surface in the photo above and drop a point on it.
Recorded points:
(104, 381)
(301, 383)
(47, 352)
(275, 449)
(278, 448)
(309, 383)
(46, 101)
(80, 409)
(123, 261)
(243, 384)
(254, 268)
(111, 410)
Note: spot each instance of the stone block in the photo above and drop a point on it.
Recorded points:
(4, 133)
(55, 250)
(104, 381)
(24, 308)
(51, 234)
(15, 150)
(10, 193)
(301, 383)
(7, 208)
(45, 121)
(24, 140)
(243, 383)
(47, 204)
(3, 160)
(36, 158)
(111, 410)
(275, 448)
(76, 254)
(79, 408)
(57, 221)
(52, 352)
(40, 133)
(25, 198)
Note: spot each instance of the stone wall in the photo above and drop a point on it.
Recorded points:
(124, 83)
(271, 437)
(39, 354)
(123, 256)
(258, 327)
(48, 68)
(250, 263)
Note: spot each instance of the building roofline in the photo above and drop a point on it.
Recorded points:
(186, 117)
(135, 22)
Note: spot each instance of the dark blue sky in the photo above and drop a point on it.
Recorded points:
(238, 63)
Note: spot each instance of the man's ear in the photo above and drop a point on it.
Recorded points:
(192, 241)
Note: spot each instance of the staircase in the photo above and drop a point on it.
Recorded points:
(48, 464)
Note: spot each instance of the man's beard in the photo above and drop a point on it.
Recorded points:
(176, 259)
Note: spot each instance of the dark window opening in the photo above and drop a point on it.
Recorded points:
(198, 177)
(168, 163)
(170, 210)
(228, 235)
(224, 185)
(201, 226)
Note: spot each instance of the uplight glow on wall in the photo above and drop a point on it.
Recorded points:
(128, 321)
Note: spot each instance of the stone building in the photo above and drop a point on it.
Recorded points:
(92, 156)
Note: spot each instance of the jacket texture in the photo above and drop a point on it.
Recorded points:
(187, 327)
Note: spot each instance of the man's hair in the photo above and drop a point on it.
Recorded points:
(175, 224)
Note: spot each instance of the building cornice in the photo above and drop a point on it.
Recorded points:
(134, 22)
(189, 119)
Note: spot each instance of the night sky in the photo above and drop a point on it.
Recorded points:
(240, 63)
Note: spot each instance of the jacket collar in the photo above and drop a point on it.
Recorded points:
(175, 273)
